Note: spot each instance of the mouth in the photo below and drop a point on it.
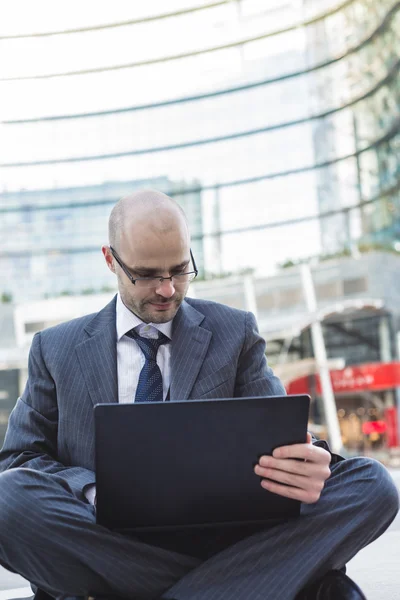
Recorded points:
(162, 306)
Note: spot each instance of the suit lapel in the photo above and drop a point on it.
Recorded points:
(98, 356)
(98, 353)
(188, 350)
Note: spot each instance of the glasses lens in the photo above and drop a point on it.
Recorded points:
(153, 282)
(183, 278)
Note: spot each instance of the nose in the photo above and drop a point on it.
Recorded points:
(166, 288)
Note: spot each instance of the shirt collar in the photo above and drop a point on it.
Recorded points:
(127, 320)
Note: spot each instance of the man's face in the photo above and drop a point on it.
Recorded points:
(150, 254)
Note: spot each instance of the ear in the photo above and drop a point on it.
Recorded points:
(108, 258)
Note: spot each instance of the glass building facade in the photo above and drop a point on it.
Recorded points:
(52, 238)
(281, 119)
(360, 95)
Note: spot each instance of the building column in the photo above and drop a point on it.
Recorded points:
(385, 354)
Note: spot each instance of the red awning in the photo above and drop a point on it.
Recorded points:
(372, 377)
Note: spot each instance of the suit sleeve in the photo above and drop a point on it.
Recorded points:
(31, 438)
(254, 377)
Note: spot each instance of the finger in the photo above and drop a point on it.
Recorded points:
(307, 452)
(309, 438)
(306, 496)
(299, 481)
(307, 469)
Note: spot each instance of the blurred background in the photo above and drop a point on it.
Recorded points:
(275, 125)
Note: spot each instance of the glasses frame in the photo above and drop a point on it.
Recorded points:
(149, 279)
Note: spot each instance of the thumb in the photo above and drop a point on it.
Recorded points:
(309, 438)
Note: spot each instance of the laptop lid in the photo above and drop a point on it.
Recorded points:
(177, 465)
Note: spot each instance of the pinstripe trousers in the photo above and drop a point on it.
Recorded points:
(51, 538)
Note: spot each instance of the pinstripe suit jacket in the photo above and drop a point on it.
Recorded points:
(216, 352)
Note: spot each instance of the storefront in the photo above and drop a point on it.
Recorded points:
(366, 399)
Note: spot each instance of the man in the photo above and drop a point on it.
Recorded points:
(47, 514)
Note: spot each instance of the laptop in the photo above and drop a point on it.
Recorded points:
(165, 466)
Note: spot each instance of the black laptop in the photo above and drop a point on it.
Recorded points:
(183, 465)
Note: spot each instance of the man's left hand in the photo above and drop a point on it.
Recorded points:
(302, 479)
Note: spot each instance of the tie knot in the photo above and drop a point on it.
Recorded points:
(148, 346)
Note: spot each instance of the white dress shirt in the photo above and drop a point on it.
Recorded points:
(130, 360)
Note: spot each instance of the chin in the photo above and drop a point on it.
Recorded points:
(161, 317)
(155, 316)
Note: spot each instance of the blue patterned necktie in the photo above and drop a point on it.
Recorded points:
(150, 384)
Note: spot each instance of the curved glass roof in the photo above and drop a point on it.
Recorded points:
(282, 113)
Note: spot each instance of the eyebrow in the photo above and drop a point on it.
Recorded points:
(140, 270)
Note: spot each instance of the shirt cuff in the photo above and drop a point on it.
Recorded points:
(335, 458)
(90, 493)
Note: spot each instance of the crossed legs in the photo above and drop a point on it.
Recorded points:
(51, 538)
(357, 505)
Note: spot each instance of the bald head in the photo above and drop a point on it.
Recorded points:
(150, 242)
(147, 210)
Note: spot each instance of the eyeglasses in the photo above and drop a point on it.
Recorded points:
(152, 282)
